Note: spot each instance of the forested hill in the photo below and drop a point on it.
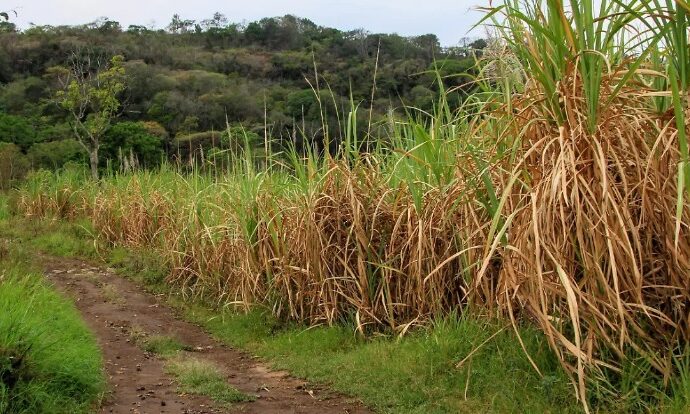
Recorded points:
(187, 79)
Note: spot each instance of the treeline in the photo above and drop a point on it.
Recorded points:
(286, 77)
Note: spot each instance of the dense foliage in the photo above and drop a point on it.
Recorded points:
(284, 77)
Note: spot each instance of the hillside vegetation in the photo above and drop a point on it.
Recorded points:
(281, 78)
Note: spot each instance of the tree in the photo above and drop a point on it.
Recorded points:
(218, 20)
(6, 15)
(180, 25)
(429, 43)
(17, 130)
(422, 97)
(132, 139)
(137, 29)
(7, 27)
(299, 103)
(109, 27)
(89, 90)
(23, 96)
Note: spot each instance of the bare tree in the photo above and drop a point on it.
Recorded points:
(88, 89)
(180, 25)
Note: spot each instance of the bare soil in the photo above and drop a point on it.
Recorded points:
(112, 306)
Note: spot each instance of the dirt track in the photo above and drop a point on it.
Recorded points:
(113, 306)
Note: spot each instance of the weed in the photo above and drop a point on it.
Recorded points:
(197, 376)
(164, 345)
(137, 335)
(111, 294)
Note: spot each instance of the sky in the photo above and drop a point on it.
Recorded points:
(450, 20)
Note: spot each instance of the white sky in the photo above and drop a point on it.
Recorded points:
(449, 19)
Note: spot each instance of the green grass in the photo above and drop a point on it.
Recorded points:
(50, 236)
(61, 245)
(4, 207)
(163, 345)
(147, 266)
(49, 361)
(416, 374)
(194, 375)
(200, 377)
(63, 240)
(680, 401)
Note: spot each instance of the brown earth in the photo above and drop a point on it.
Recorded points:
(113, 306)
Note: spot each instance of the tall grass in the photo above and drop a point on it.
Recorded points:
(599, 234)
(555, 196)
(670, 21)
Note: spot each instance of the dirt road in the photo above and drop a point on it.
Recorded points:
(113, 306)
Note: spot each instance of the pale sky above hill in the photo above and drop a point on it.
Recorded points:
(449, 19)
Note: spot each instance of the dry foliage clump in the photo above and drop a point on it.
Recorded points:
(597, 246)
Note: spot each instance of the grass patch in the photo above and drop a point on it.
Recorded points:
(146, 267)
(111, 294)
(194, 375)
(417, 374)
(4, 207)
(65, 240)
(200, 377)
(50, 236)
(49, 361)
(163, 345)
(58, 244)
